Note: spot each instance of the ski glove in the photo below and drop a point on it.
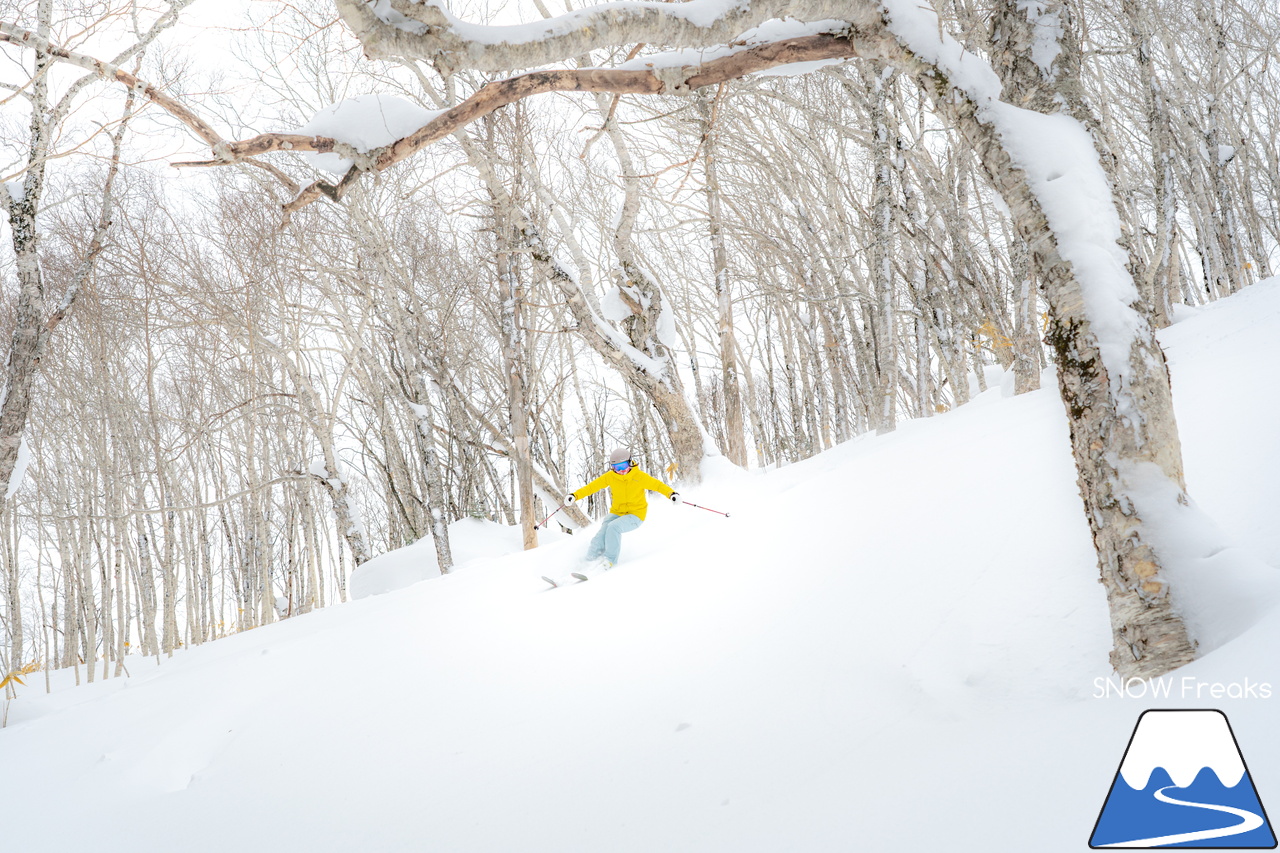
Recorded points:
(675, 497)
(568, 499)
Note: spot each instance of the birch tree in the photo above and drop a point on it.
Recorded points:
(41, 305)
(734, 427)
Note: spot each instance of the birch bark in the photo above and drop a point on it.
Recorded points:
(735, 430)
(511, 300)
(1160, 281)
(884, 329)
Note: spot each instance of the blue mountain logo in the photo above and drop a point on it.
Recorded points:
(1183, 783)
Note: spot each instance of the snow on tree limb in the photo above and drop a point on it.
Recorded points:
(1062, 171)
(493, 96)
(656, 75)
(424, 29)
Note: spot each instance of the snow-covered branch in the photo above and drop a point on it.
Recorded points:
(424, 29)
(656, 80)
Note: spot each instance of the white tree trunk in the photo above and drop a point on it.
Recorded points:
(735, 429)
(511, 299)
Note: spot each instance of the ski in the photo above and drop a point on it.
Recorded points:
(563, 581)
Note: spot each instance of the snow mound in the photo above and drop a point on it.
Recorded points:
(470, 539)
(364, 122)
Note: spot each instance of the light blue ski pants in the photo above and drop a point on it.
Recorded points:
(608, 540)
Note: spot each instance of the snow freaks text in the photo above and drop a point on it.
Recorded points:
(1186, 687)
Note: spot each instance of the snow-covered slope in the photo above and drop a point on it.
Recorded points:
(893, 646)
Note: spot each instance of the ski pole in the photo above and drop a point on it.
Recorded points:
(707, 508)
(544, 521)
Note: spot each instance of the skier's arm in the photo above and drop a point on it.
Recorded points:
(590, 488)
(653, 484)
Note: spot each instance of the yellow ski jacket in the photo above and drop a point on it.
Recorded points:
(627, 490)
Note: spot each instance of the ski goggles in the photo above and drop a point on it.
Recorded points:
(621, 467)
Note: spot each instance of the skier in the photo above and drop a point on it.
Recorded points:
(628, 485)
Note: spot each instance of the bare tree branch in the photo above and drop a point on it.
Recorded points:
(26, 38)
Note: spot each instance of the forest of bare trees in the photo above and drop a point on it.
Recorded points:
(231, 383)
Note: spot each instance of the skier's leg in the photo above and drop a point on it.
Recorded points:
(597, 542)
(613, 535)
